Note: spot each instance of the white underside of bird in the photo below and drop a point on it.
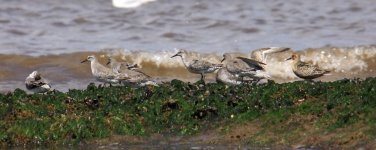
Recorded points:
(226, 77)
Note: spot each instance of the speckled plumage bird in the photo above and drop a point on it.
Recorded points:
(305, 70)
(195, 65)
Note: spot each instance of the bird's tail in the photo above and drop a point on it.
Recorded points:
(271, 50)
(327, 73)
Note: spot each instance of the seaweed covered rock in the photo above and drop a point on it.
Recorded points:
(284, 110)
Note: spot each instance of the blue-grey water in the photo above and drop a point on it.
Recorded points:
(39, 27)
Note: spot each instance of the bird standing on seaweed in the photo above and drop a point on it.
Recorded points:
(305, 70)
(195, 65)
(244, 67)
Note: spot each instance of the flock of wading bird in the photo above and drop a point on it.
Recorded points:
(231, 71)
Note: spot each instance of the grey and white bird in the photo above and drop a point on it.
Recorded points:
(36, 83)
(244, 67)
(305, 70)
(102, 73)
(195, 65)
(224, 76)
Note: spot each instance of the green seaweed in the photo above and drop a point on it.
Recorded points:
(183, 108)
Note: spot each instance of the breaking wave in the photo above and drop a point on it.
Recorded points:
(66, 71)
(348, 62)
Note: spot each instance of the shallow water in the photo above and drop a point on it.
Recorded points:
(54, 36)
(41, 27)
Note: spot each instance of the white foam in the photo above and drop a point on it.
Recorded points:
(129, 3)
(161, 58)
(340, 61)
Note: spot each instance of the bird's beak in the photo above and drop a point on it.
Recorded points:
(288, 59)
(223, 59)
(84, 61)
(108, 62)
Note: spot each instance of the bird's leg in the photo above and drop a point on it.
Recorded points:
(203, 78)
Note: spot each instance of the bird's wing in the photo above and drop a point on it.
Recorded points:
(136, 72)
(135, 75)
(252, 63)
(306, 66)
(274, 49)
(237, 66)
(310, 67)
(106, 74)
(121, 76)
(200, 64)
(143, 73)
